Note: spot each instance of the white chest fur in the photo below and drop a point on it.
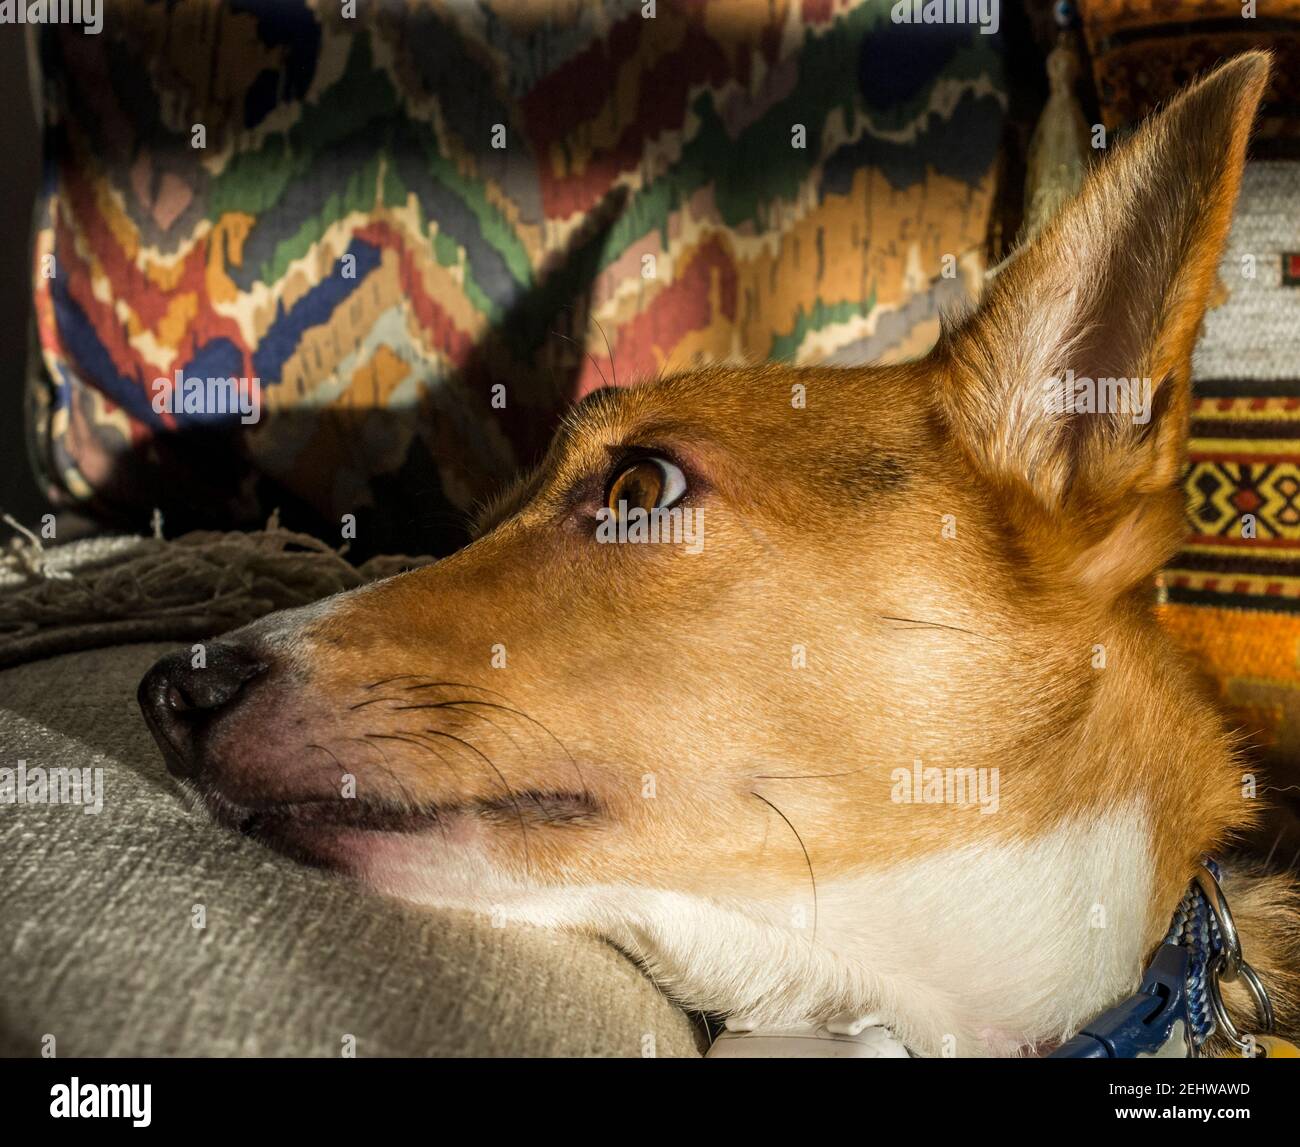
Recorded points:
(981, 950)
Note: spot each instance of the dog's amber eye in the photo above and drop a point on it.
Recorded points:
(650, 483)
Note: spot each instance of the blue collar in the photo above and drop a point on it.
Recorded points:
(1178, 1007)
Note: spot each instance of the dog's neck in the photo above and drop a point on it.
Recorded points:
(993, 946)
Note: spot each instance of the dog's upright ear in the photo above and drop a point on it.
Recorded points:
(1069, 387)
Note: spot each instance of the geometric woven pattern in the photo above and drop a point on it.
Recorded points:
(1223, 491)
(1232, 593)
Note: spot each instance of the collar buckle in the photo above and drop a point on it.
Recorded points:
(1179, 1004)
(1228, 965)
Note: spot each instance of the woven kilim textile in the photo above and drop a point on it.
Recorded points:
(1143, 51)
(1233, 594)
(427, 229)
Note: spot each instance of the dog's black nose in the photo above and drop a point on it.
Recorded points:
(185, 690)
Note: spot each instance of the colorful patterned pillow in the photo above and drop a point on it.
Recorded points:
(412, 237)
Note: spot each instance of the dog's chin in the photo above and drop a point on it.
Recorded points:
(361, 837)
(320, 836)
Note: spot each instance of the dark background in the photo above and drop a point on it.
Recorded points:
(19, 168)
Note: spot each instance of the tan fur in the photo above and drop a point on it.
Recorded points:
(636, 669)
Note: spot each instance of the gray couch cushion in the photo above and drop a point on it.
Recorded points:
(95, 922)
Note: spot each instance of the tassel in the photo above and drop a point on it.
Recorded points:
(1058, 151)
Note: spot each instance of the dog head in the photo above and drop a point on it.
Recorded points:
(817, 689)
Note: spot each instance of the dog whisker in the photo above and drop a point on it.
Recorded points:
(414, 805)
(475, 749)
(812, 878)
(805, 776)
(613, 370)
(412, 739)
(337, 763)
(1276, 842)
(582, 780)
(428, 684)
(585, 351)
(387, 680)
(916, 623)
(390, 772)
(459, 705)
(423, 735)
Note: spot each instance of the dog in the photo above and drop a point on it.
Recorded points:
(900, 737)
